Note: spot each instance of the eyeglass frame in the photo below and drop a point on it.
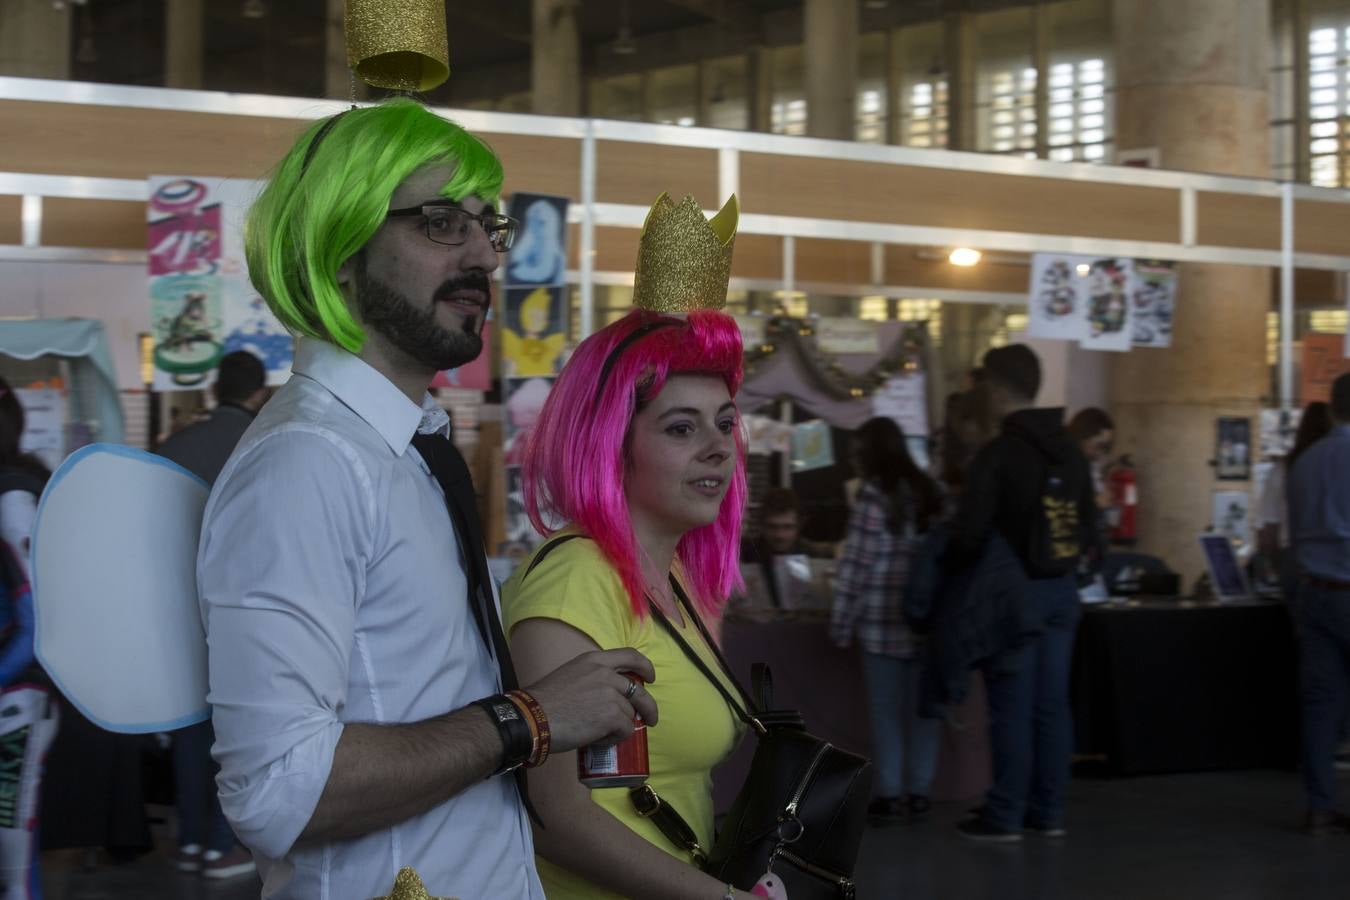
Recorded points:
(503, 223)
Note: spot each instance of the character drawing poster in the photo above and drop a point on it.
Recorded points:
(1233, 451)
(1153, 301)
(1107, 304)
(539, 255)
(202, 305)
(533, 331)
(1057, 300)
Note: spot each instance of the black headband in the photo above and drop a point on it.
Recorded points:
(318, 139)
(634, 336)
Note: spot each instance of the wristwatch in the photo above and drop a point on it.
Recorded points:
(517, 741)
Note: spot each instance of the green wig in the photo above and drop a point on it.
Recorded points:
(329, 195)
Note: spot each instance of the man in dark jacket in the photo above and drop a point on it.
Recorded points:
(1031, 485)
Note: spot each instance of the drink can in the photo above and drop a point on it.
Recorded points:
(623, 764)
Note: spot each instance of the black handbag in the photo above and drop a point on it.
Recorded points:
(803, 808)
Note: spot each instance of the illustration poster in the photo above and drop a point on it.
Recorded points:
(1153, 301)
(1233, 451)
(812, 446)
(904, 399)
(475, 375)
(1232, 515)
(533, 331)
(1107, 305)
(1057, 300)
(202, 305)
(540, 252)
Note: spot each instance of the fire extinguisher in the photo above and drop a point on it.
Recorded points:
(1124, 490)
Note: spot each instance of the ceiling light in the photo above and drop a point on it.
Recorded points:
(254, 9)
(964, 256)
(1083, 269)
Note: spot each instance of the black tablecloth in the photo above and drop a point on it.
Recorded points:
(1173, 688)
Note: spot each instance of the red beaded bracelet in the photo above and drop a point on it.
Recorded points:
(534, 714)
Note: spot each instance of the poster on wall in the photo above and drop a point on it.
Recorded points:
(540, 252)
(1279, 427)
(1057, 300)
(1233, 450)
(533, 331)
(475, 375)
(202, 305)
(1153, 302)
(1106, 295)
(1232, 515)
(812, 446)
(904, 399)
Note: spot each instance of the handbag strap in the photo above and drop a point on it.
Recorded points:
(649, 805)
(747, 713)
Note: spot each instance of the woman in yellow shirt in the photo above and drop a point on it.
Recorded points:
(638, 451)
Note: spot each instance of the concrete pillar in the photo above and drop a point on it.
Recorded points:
(831, 53)
(759, 89)
(555, 59)
(895, 87)
(958, 40)
(1191, 82)
(34, 39)
(1040, 60)
(183, 44)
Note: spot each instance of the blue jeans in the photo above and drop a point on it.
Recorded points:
(200, 819)
(904, 746)
(1030, 721)
(1324, 676)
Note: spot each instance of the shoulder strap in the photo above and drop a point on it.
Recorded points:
(546, 550)
(745, 709)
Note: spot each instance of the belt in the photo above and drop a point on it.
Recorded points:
(1326, 584)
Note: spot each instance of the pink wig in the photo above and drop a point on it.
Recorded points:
(576, 460)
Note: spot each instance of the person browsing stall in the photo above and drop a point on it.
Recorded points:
(638, 454)
(367, 713)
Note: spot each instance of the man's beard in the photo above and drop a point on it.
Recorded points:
(415, 331)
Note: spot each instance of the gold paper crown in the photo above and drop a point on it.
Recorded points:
(684, 259)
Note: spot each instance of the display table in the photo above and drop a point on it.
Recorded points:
(1179, 687)
(826, 684)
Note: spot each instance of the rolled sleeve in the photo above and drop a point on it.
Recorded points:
(281, 570)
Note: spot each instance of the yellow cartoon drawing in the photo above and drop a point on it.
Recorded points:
(530, 352)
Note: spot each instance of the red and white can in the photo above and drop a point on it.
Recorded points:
(623, 764)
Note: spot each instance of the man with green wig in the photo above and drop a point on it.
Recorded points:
(365, 707)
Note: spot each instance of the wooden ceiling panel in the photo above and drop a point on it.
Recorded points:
(1237, 220)
(11, 222)
(905, 268)
(105, 224)
(634, 173)
(944, 198)
(833, 262)
(1322, 227)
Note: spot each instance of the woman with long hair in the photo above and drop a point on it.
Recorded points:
(1273, 537)
(896, 505)
(635, 472)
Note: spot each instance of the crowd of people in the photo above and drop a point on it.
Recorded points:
(377, 702)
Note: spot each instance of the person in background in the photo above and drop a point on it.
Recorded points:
(1319, 532)
(780, 534)
(896, 505)
(1032, 486)
(1273, 505)
(206, 843)
(29, 723)
(1095, 431)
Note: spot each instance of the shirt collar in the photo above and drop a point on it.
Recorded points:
(369, 394)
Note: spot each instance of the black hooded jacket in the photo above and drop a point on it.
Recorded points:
(1004, 489)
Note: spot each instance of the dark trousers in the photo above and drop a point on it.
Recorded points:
(200, 819)
(1324, 676)
(1030, 722)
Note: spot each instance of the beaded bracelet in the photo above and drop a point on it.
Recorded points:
(534, 713)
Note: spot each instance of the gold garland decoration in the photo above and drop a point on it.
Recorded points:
(798, 336)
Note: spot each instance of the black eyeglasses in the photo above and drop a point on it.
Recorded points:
(451, 225)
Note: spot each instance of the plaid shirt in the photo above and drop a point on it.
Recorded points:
(871, 580)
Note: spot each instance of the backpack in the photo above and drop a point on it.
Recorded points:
(1054, 542)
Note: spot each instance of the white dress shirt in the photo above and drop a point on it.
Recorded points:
(331, 592)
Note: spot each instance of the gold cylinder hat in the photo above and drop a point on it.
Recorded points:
(400, 45)
(408, 886)
(684, 258)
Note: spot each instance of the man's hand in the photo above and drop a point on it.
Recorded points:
(585, 699)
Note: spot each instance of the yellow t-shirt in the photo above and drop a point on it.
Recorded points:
(577, 585)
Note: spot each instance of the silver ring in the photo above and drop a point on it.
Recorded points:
(632, 689)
